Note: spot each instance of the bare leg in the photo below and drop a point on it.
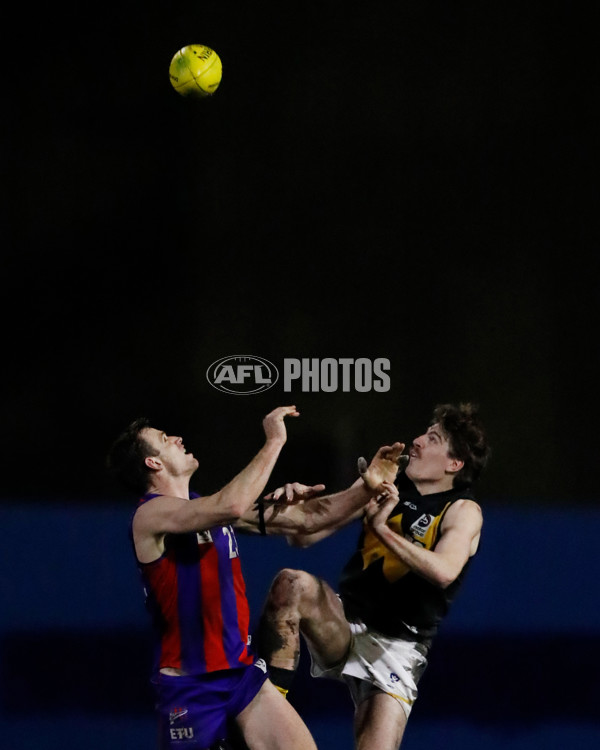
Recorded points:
(299, 602)
(270, 723)
(379, 723)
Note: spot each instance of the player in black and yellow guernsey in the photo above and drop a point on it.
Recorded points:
(416, 543)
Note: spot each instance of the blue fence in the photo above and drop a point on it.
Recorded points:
(516, 665)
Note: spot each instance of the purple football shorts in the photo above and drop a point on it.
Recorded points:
(193, 711)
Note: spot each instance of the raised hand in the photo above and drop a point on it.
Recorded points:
(273, 423)
(384, 467)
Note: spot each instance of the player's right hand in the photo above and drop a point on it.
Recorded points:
(273, 424)
(379, 508)
(384, 467)
(294, 492)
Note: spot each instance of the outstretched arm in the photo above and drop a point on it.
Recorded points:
(296, 512)
(174, 515)
(461, 529)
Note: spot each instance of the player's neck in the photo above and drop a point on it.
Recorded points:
(172, 486)
(433, 486)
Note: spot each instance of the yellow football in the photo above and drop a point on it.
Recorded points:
(195, 70)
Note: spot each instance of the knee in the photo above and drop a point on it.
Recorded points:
(291, 587)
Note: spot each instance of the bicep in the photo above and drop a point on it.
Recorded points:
(460, 532)
(174, 515)
(156, 516)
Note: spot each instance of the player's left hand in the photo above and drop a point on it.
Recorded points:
(384, 467)
(379, 508)
(293, 493)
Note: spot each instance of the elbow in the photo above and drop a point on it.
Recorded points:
(233, 507)
(300, 542)
(307, 525)
(444, 578)
(235, 511)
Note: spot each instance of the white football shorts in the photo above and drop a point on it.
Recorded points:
(378, 663)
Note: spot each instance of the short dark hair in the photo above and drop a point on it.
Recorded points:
(466, 437)
(126, 456)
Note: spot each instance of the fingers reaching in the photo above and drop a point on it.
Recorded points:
(379, 508)
(273, 423)
(386, 464)
(391, 452)
(389, 489)
(294, 492)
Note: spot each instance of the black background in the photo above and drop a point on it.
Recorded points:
(406, 180)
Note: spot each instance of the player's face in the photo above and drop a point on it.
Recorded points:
(429, 459)
(171, 452)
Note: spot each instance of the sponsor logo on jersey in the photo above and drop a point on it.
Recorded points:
(182, 733)
(177, 713)
(420, 526)
(261, 664)
(204, 537)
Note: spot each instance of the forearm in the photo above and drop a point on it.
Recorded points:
(241, 492)
(323, 515)
(435, 568)
(311, 519)
(326, 514)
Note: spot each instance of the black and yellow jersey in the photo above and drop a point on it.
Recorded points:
(379, 589)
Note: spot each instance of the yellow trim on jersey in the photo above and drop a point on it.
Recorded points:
(373, 549)
(431, 535)
(393, 568)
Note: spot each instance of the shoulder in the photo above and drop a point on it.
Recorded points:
(150, 507)
(466, 503)
(464, 511)
(147, 503)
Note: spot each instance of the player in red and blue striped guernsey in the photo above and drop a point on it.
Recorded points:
(205, 673)
(197, 596)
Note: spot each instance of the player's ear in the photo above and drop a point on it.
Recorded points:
(455, 465)
(153, 462)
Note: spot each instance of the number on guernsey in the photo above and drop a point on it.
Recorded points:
(233, 548)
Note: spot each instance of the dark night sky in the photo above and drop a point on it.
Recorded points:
(402, 180)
